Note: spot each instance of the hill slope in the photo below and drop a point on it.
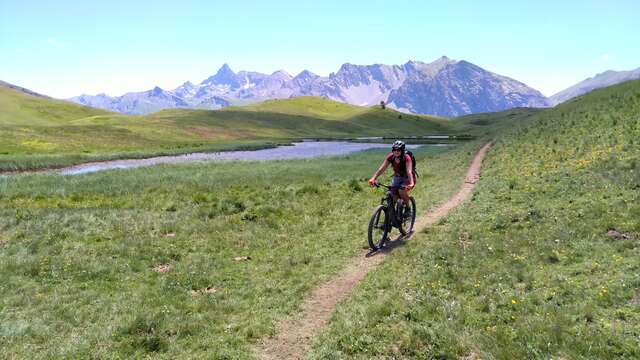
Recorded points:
(20, 89)
(541, 263)
(312, 106)
(22, 107)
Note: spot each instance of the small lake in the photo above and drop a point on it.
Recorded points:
(301, 150)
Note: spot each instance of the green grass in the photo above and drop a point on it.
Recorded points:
(311, 106)
(56, 160)
(489, 124)
(525, 269)
(20, 109)
(77, 252)
(40, 133)
(240, 123)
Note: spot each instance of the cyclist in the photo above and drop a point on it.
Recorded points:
(403, 179)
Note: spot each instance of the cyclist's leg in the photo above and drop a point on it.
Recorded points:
(404, 194)
(395, 194)
(402, 190)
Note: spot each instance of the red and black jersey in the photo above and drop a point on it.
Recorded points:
(399, 164)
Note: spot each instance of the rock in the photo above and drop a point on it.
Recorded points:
(618, 235)
(162, 268)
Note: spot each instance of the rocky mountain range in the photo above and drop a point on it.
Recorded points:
(443, 87)
(604, 79)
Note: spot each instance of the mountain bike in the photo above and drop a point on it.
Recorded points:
(390, 214)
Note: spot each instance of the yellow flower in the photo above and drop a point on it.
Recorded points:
(513, 301)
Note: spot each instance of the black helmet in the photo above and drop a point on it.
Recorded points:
(398, 145)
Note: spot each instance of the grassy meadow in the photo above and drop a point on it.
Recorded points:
(77, 253)
(541, 263)
(199, 260)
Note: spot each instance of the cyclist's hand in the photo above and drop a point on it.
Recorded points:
(372, 182)
(410, 186)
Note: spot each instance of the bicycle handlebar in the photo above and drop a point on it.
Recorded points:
(383, 185)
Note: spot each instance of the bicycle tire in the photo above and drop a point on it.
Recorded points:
(406, 225)
(378, 228)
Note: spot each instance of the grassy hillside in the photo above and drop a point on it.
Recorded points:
(311, 106)
(38, 132)
(541, 263)
(77, 254)
(20, 109)
(241, 123)
(491, 124)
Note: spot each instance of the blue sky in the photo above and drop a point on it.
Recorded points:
(65, 48)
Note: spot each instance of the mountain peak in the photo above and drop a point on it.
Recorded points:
(224, 76)
(306, 74)
(443, 60)
(281, 73)
(346, 67)
(156, 91)
(430, 69)
(225, 68)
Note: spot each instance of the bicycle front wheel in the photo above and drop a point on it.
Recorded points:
(378, 228)
(406, 225)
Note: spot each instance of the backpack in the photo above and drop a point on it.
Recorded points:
(413, 161)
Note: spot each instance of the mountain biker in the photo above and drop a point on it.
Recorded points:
(403, 179)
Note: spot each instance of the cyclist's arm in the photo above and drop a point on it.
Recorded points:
(381, 169)
(409, 168)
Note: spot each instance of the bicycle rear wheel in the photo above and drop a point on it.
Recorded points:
(378, 228)
(406, 225)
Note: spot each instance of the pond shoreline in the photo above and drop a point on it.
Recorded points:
(136, 156)
(280, 150)
(296, 150)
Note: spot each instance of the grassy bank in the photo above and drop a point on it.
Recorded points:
(77, 253)
(541, 263)
(27, 162)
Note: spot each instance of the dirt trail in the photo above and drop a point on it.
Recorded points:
(294, 334)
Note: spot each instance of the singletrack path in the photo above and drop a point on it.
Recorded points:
(294, 334)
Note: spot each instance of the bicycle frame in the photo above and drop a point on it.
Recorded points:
(390, 206)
